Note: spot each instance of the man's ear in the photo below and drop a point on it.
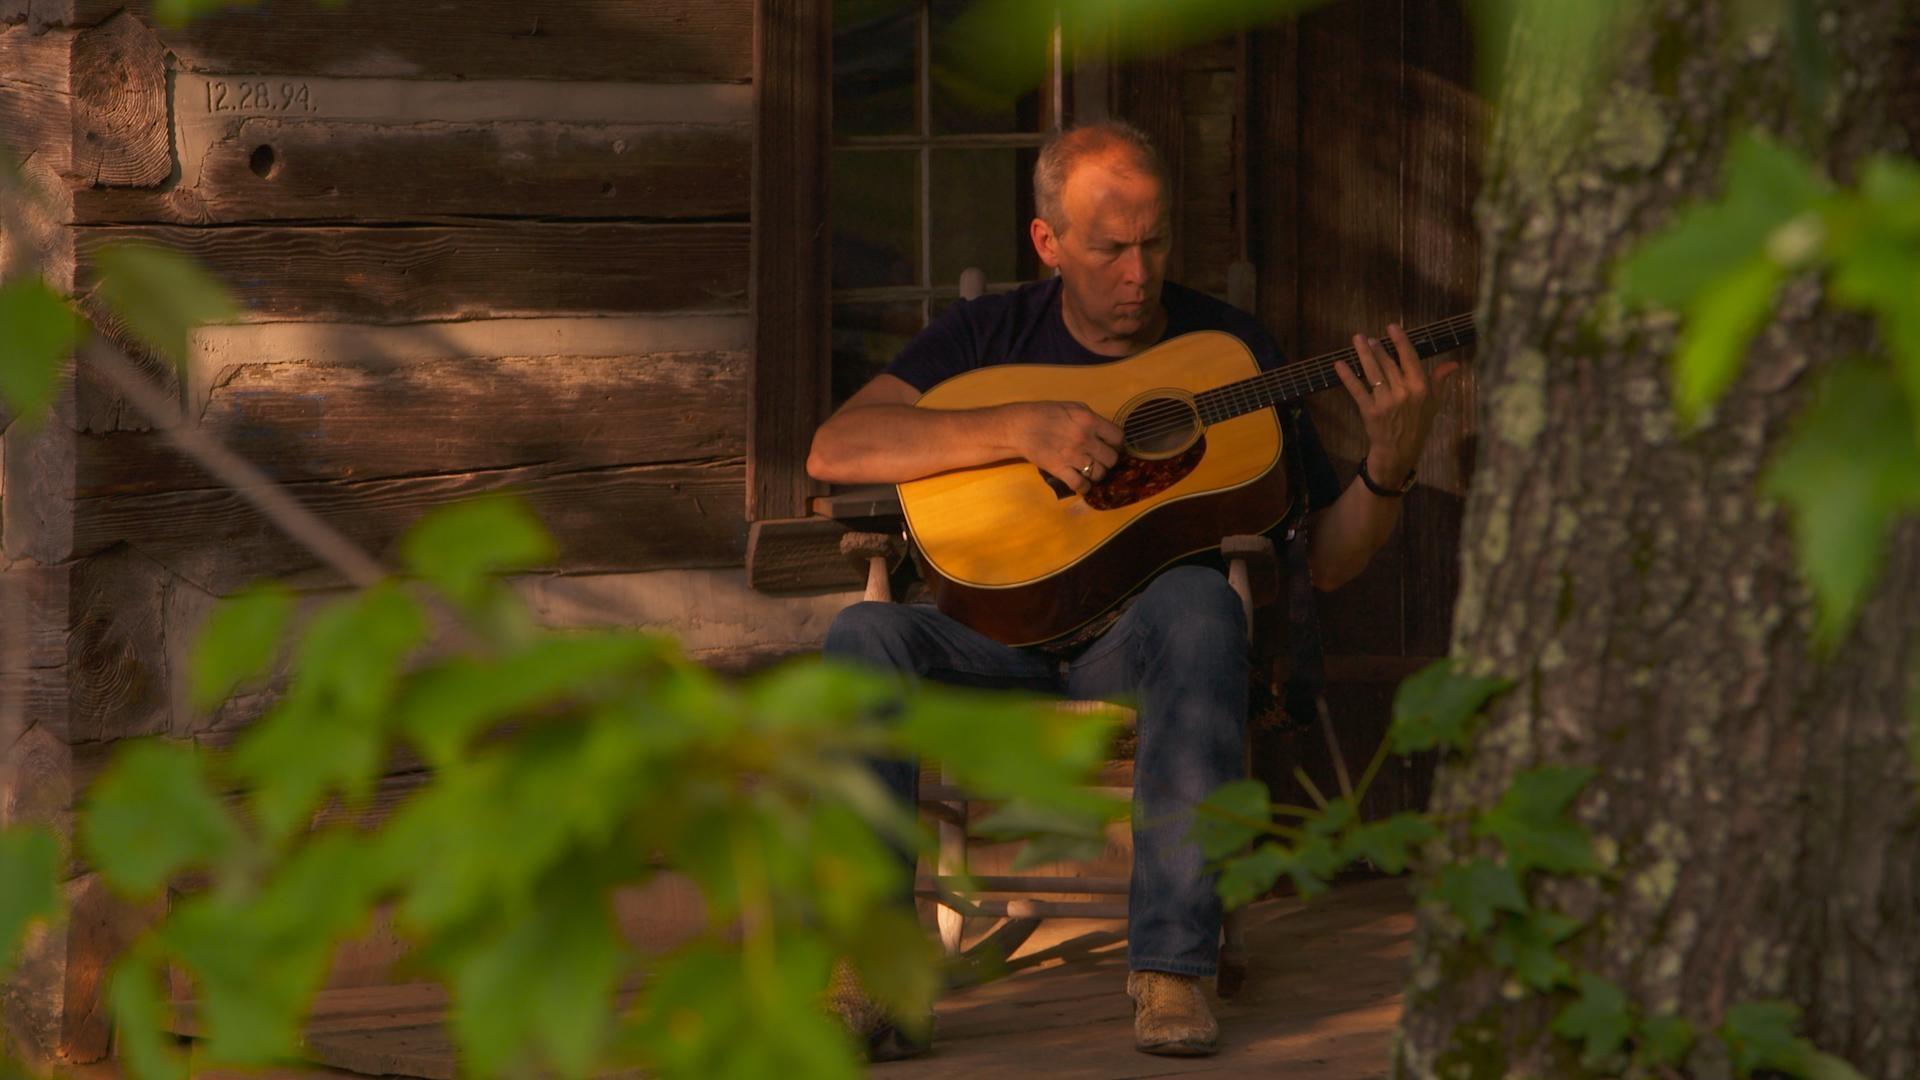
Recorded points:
(1045, 244)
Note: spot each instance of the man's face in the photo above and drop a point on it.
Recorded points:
(1112, 257)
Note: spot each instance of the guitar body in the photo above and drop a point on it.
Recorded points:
(1011, 556)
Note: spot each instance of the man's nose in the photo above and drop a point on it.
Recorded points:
(1133, 266)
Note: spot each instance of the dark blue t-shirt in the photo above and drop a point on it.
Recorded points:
(1025, 326)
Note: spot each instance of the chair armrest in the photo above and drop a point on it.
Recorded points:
(1262, 566)
(873, 554)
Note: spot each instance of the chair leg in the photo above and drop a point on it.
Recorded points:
(952, 860)
(1233, 955)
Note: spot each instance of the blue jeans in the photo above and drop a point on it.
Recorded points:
(1181, 652)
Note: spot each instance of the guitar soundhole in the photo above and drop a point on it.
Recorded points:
(1134, 478)
(1160, 427)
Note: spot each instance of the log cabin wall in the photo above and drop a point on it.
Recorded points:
(1339, 154)
(481, 247)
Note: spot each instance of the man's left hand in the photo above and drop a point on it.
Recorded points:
(1396, 402)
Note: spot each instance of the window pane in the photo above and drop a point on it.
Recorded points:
(876, 235)
(982, 203)
(874, 42)
(865, 338)
(969, 82)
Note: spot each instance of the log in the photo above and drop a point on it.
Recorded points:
(402, 274)
(36, 517)
(215, 353)
(710, 612)
(796, 555)
(116, 650)
(630, 518)
(309, 421)
(120, 121)
(273, 169)
(100, 927)
(661, 40)
(36, 111)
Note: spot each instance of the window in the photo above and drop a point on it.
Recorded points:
(930, 172)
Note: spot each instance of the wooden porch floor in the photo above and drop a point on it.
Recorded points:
(1320, 1003)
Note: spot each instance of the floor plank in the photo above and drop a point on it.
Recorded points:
(1320, 1002)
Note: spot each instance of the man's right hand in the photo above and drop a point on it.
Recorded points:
(1067, 439)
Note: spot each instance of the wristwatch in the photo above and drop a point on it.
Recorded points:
(1385, 492)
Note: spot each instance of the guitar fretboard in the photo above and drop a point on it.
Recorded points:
(1311, 376)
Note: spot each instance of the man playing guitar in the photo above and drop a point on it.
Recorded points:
(1102, 203)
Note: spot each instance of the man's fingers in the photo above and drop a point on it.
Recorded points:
(1361, 395)
(1445, 371)
(1369, 363)
(1406, 361)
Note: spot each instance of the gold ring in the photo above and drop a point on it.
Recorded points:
(1087, 470)
(1380, 384)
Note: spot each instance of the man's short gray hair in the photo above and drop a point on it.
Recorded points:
(1065, 149)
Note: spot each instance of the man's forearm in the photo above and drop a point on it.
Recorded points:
(1347, 534)
(888, 444)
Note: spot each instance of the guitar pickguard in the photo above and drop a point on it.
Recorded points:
(1134, 479)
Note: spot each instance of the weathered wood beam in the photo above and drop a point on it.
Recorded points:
(278, 147)
(367, 418)
(630, 518)
(403, 274)
(659, 41)
(791, 272)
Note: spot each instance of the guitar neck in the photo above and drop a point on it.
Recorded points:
(1295, 381)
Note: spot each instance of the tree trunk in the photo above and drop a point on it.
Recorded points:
(1754, 804)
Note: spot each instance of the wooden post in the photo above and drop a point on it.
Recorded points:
(791, 272)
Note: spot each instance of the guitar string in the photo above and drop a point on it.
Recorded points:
(1284, 383)
(1246, 395)
(1237, 399)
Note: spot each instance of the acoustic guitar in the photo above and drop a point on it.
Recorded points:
(1012, 552)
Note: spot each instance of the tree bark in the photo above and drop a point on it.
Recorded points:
(1754, 802)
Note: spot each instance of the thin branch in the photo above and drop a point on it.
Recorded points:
(1333, 746)
(246, 480)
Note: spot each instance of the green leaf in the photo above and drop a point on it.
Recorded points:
(1819, 1065)
(542, 990)
(1767, 186)
(1531, 822)
(1526, 947)
(37, 331)
(443, 707)
(254, 979)
(1599, 1020)
(29, 884)
(161, 295)
(897, 962)
(174, 13)
(461, 547)
(1665, 1040)
(1001, 745)
(1722, 319)
(817, 694)
(152, 815)
(1848, 469)
(1050, 834)
(1230, 817)
(329, 732)
(1760, 1034)
(1876, 260)
(1390, 842)
(141, 1022)
(1436, 707)
(238, 642)
(1476, 890)
(1244, 878)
